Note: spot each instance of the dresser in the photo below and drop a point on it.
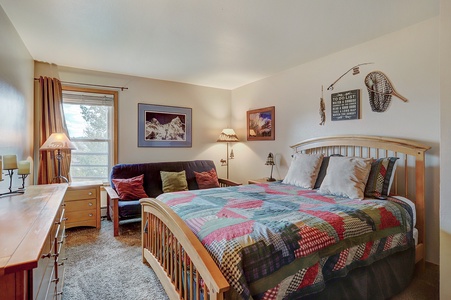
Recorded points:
(32, 243)
(82, 201)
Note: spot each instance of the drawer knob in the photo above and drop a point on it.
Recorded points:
(90, 215)
(46, 255)
(90, 193)
(90, 203)
(55, 280)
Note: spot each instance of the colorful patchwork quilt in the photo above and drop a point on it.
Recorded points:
(278, 241)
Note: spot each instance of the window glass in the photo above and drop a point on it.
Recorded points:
(90, 123)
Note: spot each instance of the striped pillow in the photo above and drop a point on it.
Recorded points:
(381, 177)
(130, 188)
(207, 180)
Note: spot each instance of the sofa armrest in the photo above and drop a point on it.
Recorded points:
(111, 193)
(225, 182)
(112, 210)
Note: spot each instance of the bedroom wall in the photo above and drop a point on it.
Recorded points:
(445, 148)
(16, 98)
(408, 57)
(210, 114)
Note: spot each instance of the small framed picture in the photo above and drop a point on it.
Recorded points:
(261, 124)
(164, 126)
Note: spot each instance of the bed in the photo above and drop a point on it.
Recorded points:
(282, 241)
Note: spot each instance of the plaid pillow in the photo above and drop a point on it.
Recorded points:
(381, 177)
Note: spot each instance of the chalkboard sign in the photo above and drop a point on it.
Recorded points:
(345, 105)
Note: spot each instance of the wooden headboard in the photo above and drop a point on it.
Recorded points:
(409, 178)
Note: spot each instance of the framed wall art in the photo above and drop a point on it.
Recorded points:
(261, 124)
(345, 105)
(164, 126)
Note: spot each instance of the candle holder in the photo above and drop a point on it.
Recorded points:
(23, 176)
(10, 174)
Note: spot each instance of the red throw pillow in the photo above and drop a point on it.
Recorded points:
(130, 188)
(207, 180)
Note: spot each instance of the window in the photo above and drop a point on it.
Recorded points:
(91, 122)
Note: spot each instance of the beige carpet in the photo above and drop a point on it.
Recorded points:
(101, 266)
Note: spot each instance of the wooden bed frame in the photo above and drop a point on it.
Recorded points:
(168, 234)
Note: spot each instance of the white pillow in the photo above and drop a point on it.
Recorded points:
(346, 177)
(304, 169)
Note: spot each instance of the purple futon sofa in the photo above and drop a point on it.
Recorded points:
(119, 210)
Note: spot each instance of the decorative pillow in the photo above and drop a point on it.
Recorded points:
(130, 188)
(381, 177)
(174, 181)
(303, 170)
(322, 170)
(207, 180)
(346, 177)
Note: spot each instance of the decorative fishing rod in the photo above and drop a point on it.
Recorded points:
(355, 70)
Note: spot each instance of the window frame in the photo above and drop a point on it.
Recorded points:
(115, 95)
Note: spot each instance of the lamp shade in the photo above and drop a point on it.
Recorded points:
(58, 141)
(270, 159)
(228, 135)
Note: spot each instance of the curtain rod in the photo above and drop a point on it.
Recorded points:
(96, 85)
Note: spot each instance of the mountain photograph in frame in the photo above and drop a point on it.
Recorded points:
(164, 126)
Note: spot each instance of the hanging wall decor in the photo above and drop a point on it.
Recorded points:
(380, 91)
(164, 126)
(355, 70)
(345, 105)
(261, 124)
(322, 109)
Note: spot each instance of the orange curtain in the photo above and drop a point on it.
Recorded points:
(52, 120)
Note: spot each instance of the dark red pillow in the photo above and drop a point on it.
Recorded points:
(130, 188)
(207, 180)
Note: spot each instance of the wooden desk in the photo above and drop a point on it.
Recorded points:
(32, 243)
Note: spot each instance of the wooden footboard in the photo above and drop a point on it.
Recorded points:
(181, 262)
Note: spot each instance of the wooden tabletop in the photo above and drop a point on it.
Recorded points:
(25, 221)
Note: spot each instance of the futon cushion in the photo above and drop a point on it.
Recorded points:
(130, 188)
(129, 209)
(381, 177)
(174, 181)
(207, 180)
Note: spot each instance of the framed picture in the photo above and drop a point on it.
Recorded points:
(261, 124)
(164, 126)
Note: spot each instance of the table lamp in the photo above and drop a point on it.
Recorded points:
(58, 142)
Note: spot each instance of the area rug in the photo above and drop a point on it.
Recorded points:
(101, 266)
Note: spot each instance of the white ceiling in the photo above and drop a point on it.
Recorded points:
(223, 44)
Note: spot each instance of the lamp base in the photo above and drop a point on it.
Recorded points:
(271, 179)
(60, 179)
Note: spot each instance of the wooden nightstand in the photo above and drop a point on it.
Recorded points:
(82, 201)
(260, 180)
